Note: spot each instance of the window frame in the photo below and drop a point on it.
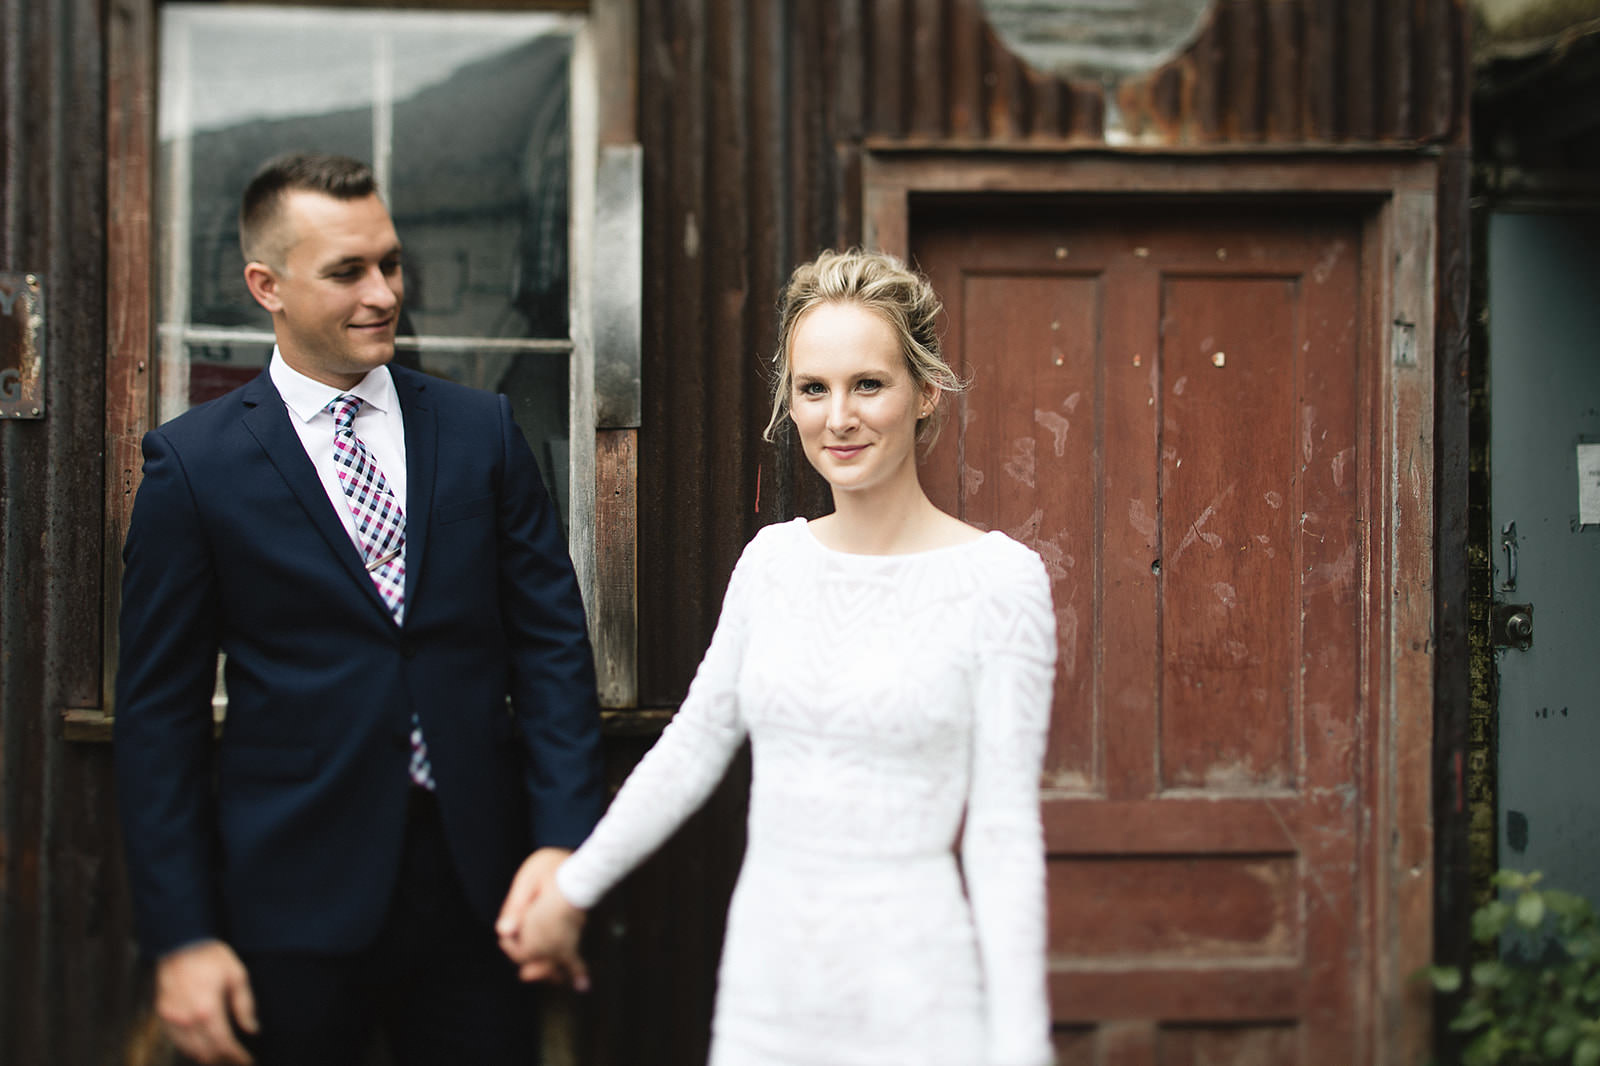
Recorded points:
(604, 228)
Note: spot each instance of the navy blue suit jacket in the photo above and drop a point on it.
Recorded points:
(283, 834)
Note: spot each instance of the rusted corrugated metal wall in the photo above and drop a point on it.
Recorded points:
(1259, 72)
(66, 964)
(1312, 72)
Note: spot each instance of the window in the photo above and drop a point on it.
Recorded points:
(464, 117)
(488, 132)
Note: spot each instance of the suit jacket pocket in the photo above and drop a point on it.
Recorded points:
(447, 513)
(262, 761)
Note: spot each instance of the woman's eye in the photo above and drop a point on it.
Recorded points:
(869, 385)
(811, 388)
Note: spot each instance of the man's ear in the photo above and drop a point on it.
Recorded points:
(262, 281)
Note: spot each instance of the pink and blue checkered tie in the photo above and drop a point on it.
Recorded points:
(381, 527)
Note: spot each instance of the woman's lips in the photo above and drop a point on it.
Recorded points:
(839, 451)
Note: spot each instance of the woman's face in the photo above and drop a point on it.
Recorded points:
(853, 399)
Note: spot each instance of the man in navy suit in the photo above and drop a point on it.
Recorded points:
(375, 552)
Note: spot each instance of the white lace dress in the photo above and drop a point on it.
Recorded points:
(897, 709)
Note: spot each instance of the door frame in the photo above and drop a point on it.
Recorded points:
(1395, 195)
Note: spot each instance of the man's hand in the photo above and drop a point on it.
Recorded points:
(538, 928)
(202, 991)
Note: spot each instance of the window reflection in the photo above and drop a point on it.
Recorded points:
(464, 117)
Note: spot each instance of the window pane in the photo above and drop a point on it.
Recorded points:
(464, 117)
(216, 368)
(479, 189)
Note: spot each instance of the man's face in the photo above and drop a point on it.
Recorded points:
(335, 298)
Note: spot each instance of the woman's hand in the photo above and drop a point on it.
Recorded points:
(538, 929)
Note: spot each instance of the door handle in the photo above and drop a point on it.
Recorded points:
(1508, 541)
(1511, 625)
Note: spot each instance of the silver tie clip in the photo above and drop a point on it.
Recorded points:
(380, 560)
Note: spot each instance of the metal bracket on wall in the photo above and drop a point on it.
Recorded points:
(618, 286)
(1511, 625)
(21, 345)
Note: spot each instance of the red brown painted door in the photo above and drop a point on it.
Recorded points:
(1166, 403)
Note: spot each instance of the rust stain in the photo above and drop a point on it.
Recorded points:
(1022, 464)
(1195, 533)
(1067, 638)
(1141, 519)
(1329, 260)
(1028, 531)
(1055, 558)
(1337, 576)
(22, 344)
(1340, 462)
(1057, 426)
(971, 480)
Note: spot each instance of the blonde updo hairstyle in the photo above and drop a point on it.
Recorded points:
(888, 288)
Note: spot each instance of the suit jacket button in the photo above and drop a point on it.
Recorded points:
(408, 651)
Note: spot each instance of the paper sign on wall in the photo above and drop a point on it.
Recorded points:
(1588, 484)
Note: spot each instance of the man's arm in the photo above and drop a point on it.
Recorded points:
(163, 733)
(163, 754)
(552, 666)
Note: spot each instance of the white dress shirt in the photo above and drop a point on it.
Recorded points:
(378, 424)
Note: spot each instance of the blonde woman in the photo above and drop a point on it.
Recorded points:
(892, 668)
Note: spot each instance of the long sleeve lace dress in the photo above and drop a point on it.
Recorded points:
(890, 909)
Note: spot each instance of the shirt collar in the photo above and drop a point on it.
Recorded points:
(306, 397)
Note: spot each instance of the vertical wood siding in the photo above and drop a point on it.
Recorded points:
(66, 962)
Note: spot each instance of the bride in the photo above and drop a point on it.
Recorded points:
(892, 667)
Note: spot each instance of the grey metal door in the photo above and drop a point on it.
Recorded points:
(1544, 389)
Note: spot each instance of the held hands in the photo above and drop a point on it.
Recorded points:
(538, 928)
(202, 991)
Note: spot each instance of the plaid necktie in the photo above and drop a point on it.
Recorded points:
(381, 528)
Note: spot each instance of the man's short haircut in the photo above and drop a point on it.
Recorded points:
(337, 176)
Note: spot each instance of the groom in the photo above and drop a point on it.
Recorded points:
(376, 555)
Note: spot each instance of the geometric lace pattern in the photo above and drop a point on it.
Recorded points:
(891, 903)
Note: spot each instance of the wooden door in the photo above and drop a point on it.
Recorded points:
(1167, 404)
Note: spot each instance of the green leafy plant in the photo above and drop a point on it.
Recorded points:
(1544, 1012)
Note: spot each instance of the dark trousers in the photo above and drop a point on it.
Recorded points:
(434, 984)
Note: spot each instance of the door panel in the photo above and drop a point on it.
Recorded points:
(1027, 461)
(1166, 405)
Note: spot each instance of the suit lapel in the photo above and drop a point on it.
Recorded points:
(267, 419)
(422, 454)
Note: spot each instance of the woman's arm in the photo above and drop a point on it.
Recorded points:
(671, 781)
(1002, 845)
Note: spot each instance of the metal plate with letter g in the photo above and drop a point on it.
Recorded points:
(21, 346)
